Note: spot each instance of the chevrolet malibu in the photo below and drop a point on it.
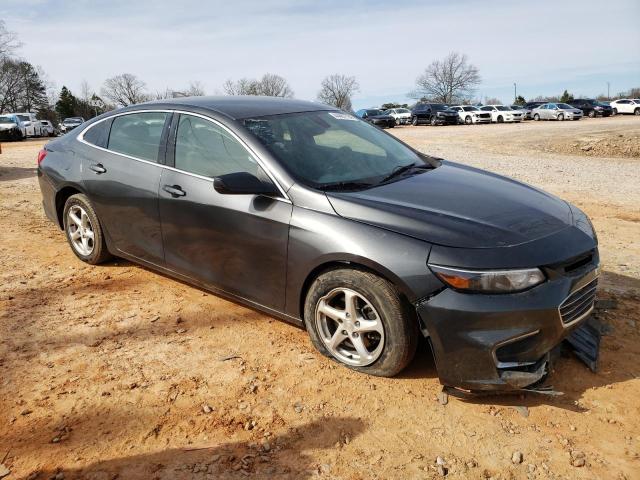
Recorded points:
(317, 217)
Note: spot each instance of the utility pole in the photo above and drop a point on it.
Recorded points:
(515, 93)
(608, 96)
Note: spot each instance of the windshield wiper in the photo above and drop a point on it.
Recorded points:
(402, 169)
(345, 186)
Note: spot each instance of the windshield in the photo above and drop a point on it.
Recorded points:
(564, 106)
(24, 118)
(8, 119)
(373, 113)
(439, 106)
(328, 149)
(470, 109)
(503, 108)
(72, 120)
(402, 110)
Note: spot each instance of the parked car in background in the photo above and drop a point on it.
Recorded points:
(402, 115)
(31, 123)
(556, 111)
(376, 117)
(47, 128)
(433, 114)
(522, 109)
(11, 128)
(626, 105)
(70, 123)
(308, 214)
(469, 114)
(502, 113)
(529, 106)
(591, 108)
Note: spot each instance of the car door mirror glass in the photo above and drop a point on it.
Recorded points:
(243, 183)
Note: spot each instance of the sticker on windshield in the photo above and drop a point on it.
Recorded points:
(342, 116)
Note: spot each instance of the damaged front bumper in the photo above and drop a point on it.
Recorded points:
(504, 342)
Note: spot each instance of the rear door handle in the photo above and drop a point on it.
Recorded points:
(98, 168)
(174, 190)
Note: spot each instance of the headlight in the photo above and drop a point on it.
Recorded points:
(489, 281)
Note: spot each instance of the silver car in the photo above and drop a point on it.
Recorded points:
(556, 111)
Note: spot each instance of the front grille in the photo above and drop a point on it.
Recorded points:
(579, 303)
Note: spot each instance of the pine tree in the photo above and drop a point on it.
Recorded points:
(566, 97)
(67, 104)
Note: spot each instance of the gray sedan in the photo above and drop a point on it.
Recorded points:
(556, 111)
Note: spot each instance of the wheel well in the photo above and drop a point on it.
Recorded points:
(334, 265)
(61, 199)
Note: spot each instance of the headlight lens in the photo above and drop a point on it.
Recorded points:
(489, 281)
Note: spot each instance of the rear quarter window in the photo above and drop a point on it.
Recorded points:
(98, 134)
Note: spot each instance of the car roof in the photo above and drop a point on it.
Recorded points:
(240, 106)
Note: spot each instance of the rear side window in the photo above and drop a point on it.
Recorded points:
(206, 149)
(98, 134)
(138, 134)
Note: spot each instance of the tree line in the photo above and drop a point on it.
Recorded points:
(24, 87)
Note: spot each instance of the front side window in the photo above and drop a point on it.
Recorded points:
(138, 134)
(206, 149)
(330, 149)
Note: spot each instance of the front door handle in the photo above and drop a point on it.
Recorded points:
(98, 168)
(174, 190)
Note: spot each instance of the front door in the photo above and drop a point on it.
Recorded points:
(237, 243)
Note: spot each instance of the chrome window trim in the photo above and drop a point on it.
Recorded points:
(256, 157)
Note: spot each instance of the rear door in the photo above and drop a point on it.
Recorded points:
(121, 173)
(237, 243)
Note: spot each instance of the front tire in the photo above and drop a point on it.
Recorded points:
(360, 320)
(83, 230)
(434, 121)
(414, 121)
(500, 119)
(592, 114)
(614, 111)
(636, 112)
(468, 120)
(536, 117)
(561, 117)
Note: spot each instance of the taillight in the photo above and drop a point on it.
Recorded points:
(41, 154)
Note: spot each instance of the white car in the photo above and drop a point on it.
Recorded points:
(503, 113)
(402, 115)
(469, 114)
(526, 112)
(47, 128)
(31, 123)
(626, 105)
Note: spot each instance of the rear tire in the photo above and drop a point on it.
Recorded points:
(83, 230)
(376, 304)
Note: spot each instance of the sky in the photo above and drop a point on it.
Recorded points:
(543, 46)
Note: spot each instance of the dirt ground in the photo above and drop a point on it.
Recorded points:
(119, 372)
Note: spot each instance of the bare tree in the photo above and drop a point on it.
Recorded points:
(492, 101)
(8, 41)
(449, 80)
(125, 89)
(244, 86)
(337, 90)
(196, 89)
(270, 85)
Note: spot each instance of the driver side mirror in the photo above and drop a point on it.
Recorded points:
(243, 183)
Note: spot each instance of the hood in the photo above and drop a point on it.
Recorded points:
(458, 206)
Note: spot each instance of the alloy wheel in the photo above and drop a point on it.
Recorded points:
(80, 230)
(350, 327)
